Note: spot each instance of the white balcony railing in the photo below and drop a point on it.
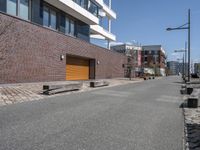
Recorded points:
(98, 30)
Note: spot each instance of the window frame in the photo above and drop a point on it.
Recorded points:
(50, 9)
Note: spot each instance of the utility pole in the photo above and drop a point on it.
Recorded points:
(189, 27)
(184, 27)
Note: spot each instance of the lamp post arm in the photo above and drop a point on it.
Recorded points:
(183, 28)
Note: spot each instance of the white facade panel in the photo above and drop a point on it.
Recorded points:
(96, 29)
(75, 10)
(109, 12)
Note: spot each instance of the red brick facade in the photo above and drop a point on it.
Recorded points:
(31, 53)
(160, 61)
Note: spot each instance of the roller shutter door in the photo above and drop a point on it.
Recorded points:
(77, 69)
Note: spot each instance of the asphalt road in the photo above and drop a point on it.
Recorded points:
(139, 116)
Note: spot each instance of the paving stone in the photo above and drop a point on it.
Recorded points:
(31, 91)
(192, 128)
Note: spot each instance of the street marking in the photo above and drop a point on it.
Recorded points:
(169, 99)
(112, 93)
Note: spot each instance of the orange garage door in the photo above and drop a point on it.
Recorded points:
(77, 69)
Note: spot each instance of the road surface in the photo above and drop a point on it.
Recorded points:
(138, 116)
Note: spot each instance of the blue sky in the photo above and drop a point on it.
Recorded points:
(145, 21)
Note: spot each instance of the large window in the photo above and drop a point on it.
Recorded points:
(23, 9)
(52, 19)
(62, 23)
(67, 25)
(12, 7)
(72, 28)
(49, 17)
(18, 8)
(3, 5)
(45, 16)
(93, 8)
(82, 3)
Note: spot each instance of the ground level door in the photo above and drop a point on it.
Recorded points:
(77, 68)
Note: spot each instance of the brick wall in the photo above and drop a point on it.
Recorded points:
(31, 53)
(150, 60)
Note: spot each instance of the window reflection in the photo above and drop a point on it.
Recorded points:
(12, 7)
(53, 19)
(23, 9)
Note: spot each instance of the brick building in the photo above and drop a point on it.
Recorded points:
(154, 59)
(50, 41)
(133, 53)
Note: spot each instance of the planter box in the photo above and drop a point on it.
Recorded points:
(58, 88)
(94, 84)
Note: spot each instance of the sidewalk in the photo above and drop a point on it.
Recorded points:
(192, 126)
(17, 93)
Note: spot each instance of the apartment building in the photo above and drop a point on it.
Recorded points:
(173, 67)
(133, 53)
(154, 59)
(49, 40)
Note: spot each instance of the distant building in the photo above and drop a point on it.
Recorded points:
(197, 68)
(134, 58)
(154, 59)
(173, 67)
(185, 67)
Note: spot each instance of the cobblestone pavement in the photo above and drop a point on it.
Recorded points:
(20, 93)
(192, 128)
(16, 93)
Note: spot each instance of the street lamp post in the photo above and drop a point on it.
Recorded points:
(184, 61)
(184, 27)
(183, 74)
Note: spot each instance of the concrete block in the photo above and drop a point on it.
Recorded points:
(58, 88)
(192, 102)
(94, 84)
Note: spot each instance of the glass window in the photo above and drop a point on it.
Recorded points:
(3, 5)
(78, 2)
(82, 30)
(49, 17)
(53, 19)
(46, 16)
(23, 9)
(12, 7)
(62, 23)
(72, 27)
(93, 8)
(67, 25)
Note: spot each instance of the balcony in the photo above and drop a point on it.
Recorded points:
(75, 10)
(109, 12)
(100, 33)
